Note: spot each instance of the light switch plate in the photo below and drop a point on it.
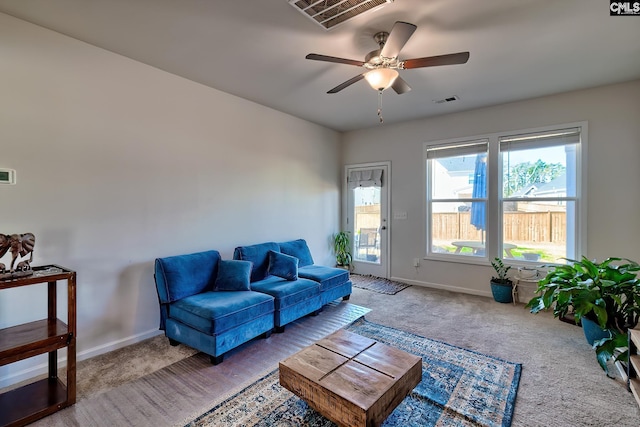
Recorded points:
(7, 176)
(399, 215)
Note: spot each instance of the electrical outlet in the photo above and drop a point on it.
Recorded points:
(416, 262)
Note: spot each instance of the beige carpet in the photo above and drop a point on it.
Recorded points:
(561, 383)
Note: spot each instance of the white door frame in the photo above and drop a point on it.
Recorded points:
(347, 221)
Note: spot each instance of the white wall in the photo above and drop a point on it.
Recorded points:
(613, 115)
(119, 163)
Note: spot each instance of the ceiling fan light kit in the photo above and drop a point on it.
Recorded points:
(383, 64)
(381, 78)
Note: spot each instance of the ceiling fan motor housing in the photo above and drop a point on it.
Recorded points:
(374, 57)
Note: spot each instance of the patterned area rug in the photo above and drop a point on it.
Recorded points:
(459, 388)
(377, 284)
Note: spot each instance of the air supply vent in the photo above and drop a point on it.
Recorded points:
(446, 100)
(329, 13)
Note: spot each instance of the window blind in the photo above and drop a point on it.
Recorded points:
(540, 140)
(365, 178)
(458, 149)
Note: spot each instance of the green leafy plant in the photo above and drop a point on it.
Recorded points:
(501, 271)
(607, 293)
(342, 248)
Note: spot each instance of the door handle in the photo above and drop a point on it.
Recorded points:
(384, 227)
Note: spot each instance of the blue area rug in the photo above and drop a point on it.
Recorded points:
(459, 387)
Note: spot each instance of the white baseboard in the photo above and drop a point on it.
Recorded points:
(114, 345)
(457, 289)
(43, 369)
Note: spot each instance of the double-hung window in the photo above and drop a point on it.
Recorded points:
(515, 195)
(457, 197)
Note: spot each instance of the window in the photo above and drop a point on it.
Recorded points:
(457, 201)
(517, 196)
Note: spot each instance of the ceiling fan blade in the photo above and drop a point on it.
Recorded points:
(434, 61)
(347, 83)
(316, 57)
(398, 37)
(400, 86)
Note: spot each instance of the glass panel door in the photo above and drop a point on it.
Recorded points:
(367, 220)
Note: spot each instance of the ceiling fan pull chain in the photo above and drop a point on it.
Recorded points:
(380, 106)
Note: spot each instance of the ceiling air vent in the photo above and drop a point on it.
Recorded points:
(445, 100)
(329, 13)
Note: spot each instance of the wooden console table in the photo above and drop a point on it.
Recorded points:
(40, 398)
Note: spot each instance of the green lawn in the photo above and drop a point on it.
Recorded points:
(545, 256)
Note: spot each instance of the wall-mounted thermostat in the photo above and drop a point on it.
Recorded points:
(7, 176)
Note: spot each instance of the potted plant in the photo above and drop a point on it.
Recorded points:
(342, 249)
(604, 297)
(501, 286)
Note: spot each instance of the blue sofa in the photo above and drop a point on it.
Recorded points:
(306, 291)
(201, 304)
(334, 282)
(214, 305)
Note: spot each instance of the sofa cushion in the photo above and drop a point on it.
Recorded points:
(328, 277)
(299, 249)
(282, 265)
(216, 312)
(285, 292)
(340, 291)
(258, 255)
(233, 275)
(184, 275)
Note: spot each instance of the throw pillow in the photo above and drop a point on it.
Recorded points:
(233, 275)
(299, 249)
(282, 265)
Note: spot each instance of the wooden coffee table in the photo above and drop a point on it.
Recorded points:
(350, 379)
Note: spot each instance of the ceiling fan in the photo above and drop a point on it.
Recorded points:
(383, 62)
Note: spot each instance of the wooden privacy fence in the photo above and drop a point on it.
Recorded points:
(518, 227)
(367, 216)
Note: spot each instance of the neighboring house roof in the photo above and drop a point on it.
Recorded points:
(466, 165)
(556, 186)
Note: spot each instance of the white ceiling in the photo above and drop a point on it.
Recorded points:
(256, 49)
